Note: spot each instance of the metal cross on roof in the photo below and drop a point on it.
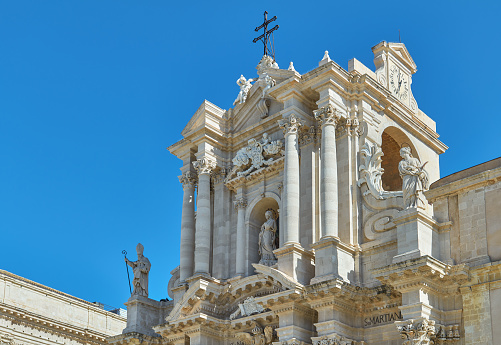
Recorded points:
(265, 37)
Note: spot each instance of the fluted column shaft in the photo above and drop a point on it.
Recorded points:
(204, 167)
(290, 203)
(188, 180)
(328, 118)
(240, 205)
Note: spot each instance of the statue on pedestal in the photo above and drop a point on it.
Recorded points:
(141, 269)
(267, 240)
(414, 179)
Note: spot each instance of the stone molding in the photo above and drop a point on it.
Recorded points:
(290, 124)
(188, 179)
(204, 165)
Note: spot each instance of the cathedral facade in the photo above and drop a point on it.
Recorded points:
(314, 213)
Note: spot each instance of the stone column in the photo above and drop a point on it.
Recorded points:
(188, 180)
(204, 167)
(240, 206)
(333, 259)
(290, 204)
(328, 118)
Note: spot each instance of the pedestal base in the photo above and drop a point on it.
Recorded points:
(142, 315)
(415, 235)
(296, 262)
(333, 260)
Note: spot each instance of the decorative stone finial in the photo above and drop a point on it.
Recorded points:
(325, 59)
(291, 67)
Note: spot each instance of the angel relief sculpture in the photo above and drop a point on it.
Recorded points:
(255, 155)
(258, 336)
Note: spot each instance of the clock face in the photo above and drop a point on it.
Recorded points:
(398, 83)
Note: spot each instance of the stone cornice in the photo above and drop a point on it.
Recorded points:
(426, 272)
(13, 278)
(479, 180)
(43, 323)
(349, 297)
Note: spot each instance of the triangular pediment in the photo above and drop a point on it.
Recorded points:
(252, 111)
(207, 115)
(402, 54)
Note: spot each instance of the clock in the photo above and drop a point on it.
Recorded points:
(399, 85)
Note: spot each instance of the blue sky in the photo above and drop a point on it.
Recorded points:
(92, 93)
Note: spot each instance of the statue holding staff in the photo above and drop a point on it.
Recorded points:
(141, 269)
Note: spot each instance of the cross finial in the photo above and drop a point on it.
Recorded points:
(265, 37)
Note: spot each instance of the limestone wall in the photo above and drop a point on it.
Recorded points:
(31, 313)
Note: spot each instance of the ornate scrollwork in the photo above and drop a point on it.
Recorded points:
(290, 124)
(370, 169)
(255, 155)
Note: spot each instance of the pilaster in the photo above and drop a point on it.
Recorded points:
(240, 207)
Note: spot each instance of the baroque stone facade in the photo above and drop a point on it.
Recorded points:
(31, 313)
(316, 222)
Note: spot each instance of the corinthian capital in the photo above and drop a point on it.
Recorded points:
(327, 115)
(290, 124)
(240, 203)
(188, 179)
(204, 165)
(416, 332)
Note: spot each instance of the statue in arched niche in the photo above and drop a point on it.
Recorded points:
(267, 240)
(414, 179)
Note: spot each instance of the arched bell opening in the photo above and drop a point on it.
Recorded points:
(255, 221)
(392, 140)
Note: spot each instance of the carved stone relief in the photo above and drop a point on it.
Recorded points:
(259, 336)
(249, 307)
(255, 155)
(424, 332)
